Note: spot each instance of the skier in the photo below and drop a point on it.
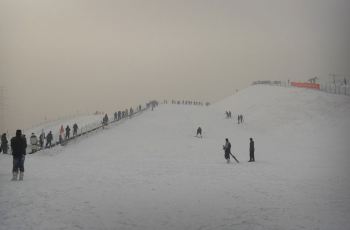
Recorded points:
(199, 132)
(49, 138)
(67, 132)
(251, 150)
(75, 129)
(4, 143)
(227, 148)
(18, 145)
(34, 143)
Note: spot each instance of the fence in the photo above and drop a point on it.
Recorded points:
(341, 89)
(86, 130)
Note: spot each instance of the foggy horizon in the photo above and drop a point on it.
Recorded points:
(60, 58)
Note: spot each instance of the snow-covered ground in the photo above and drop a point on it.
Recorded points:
(152, 173)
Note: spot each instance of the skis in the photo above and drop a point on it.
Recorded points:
(234, 158)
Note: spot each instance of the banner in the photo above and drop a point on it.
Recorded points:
(306, 85)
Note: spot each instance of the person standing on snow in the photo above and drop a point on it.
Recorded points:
(251, 150)
(199, 132)
(4, 143)
(227, 148)
(61, 133)
(49, 138)
(41, 138)
(34, 143)
(18, 145)
(67, 132)
(75, 129)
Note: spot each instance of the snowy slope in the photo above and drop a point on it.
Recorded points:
(152, 173)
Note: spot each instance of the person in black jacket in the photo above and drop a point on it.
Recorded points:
(251, 150)
(4, 143)
(67, 132)
(227, 148)
(75, 129)
(18, 145)
(49, 138)
(199, 132)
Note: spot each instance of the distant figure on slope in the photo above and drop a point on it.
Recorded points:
(227, 148)
(49, 138)
(199, 132)
(34, 143)
(75, 129)
(105, 120)
(4, 143)
(18, 145)
(61, 134)
(67, 132)
(251, 150)
(115, 116)
(41, 138)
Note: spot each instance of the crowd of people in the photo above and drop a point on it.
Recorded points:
(186, 102)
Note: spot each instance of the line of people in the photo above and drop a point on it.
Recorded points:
(186, 102)
(121, 115)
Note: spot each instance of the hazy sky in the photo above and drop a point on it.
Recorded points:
(67, 56)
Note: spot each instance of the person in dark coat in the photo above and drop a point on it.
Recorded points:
(75, 129)
(18, 145)
(49, 138)
(251, 150)
(4, 143)
(67, 132)
(227, 148)
(41, 138)
(199, 132)
(105, 120)
(115, 116)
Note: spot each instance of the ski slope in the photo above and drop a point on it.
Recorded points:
(150, 172)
